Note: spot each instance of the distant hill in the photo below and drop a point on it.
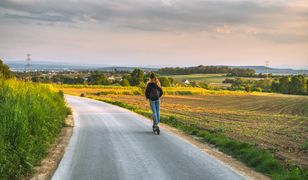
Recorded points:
(52, 66)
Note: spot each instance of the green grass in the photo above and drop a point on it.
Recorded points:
(31, 116)
(208, 78)
(261, 160)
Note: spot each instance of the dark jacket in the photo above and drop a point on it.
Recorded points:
(148, 89)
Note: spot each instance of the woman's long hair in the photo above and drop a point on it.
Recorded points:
(154, 79)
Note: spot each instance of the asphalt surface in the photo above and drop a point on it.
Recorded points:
(109, 142)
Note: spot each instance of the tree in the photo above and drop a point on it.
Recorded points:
(284, 84)
(137, 76)
(125, 82)
(103, 80)
(238, 83)
(207, 70)
(73, 80)
(242, 72)
(171, 80)
(93, 78)
(307, 85)
(298, 85)
(265, 84)
(164, 81)
(5, 71)
(248, 88)
(98, 79)
(241, 84)
(275, 86)
(142, 85)
(36, 79)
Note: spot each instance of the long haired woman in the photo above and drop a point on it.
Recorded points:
(153, 93)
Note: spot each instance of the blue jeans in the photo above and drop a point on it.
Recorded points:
(155, 106)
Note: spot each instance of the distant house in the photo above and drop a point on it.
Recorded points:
(185, 81)
(111, 78)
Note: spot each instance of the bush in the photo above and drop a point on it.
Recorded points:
(258, 89)
(165, 81)
(5, 71)
(125, 82)
(228, 80)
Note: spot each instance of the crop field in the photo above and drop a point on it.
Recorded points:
(31, 116)
(278, 123)
(132, 90)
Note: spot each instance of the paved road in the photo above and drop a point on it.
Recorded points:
(109, 143)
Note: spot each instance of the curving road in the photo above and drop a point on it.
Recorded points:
(109, 142)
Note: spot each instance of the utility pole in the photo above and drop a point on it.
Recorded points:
(28, 64)
(28, 67)
(266, 68)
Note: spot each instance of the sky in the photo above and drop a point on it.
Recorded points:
(156, 32)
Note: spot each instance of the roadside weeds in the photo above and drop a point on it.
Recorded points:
(227, 160)
(50, 163)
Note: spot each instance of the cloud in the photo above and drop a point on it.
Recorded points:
(41, 18)
(177, 13)
(260, 18)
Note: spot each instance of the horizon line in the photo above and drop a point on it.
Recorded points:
(152, 66)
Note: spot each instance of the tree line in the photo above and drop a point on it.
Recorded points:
(135, 78)
(297, 84)
(291, 85)
(207, 70)
(139, 78)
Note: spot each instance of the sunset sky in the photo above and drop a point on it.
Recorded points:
(156, 32)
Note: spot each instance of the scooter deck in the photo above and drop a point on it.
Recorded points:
(156, 130)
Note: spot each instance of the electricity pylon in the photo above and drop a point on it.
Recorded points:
(28, 67)
(266, 68)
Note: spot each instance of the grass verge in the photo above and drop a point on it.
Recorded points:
(31, 117)
(258, 159)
